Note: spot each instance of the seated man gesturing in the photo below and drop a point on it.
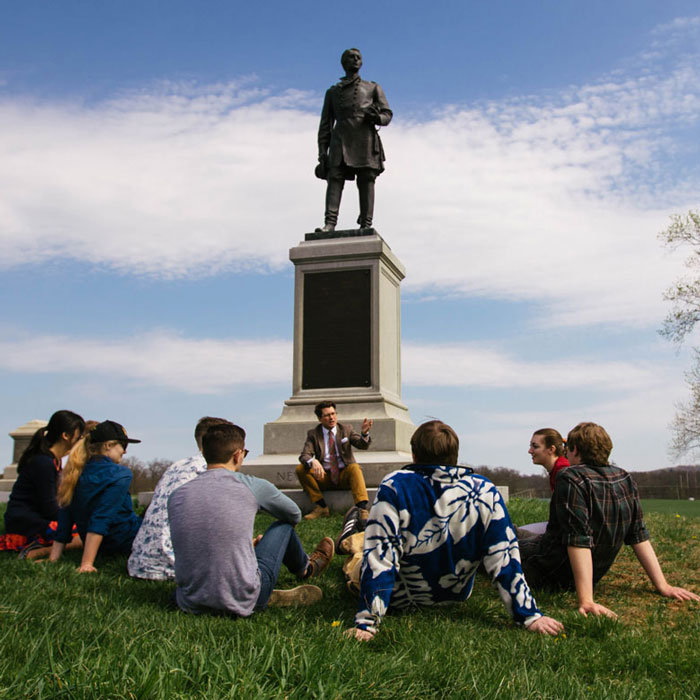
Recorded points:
(327, 460)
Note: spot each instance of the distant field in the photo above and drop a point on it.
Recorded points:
(689, 509)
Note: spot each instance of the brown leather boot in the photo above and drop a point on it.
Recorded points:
(321, 557)
(318, 512)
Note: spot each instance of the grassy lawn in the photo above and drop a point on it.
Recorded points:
(65, 635)
(689, 509)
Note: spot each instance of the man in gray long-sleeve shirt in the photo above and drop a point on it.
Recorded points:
(218, 566)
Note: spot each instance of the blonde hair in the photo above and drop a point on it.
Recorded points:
(78, 457)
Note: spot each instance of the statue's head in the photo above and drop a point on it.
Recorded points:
(351, 58)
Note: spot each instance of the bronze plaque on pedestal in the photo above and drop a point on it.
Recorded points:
(337, 329)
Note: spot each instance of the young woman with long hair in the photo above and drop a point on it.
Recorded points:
(32, 510)
(547, 449)
(94, 495)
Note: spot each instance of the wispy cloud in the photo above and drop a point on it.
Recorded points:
(473, 365)
(161, 359)
(633, 420)
(680, 26)
(208, 366)
(553, 198)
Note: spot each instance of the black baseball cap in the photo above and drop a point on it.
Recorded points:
(110, 430)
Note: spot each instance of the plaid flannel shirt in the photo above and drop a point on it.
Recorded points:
(596, 507)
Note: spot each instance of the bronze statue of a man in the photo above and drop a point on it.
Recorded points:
(348, 142)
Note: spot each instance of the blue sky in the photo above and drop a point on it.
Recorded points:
(156, 165)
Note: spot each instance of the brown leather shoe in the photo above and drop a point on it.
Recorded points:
(318, 512)
(321, 557)
(301, 595)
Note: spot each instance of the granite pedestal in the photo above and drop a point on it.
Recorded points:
(347, 349)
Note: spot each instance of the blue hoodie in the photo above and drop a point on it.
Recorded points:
(101, 504)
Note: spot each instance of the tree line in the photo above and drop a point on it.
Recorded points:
(672, 482)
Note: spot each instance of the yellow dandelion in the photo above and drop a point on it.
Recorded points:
(335, 623)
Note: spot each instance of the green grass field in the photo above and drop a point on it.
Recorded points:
(65, 635)
(688, 509)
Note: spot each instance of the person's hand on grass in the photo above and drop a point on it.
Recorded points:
(362, 635)
(41, 556)
(679, 593)
(86, 569)
(256, 539)
(546, 625)
(596, 609)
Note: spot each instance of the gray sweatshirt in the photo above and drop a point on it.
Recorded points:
(211, 523)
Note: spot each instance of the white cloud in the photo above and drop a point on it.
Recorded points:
(161, 358)
(209, 366)
(679, 25)
(555, 199)
(635, 421)
(163, 184)
(500, 399)
(474, 365)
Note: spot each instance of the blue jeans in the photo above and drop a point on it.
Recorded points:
(279, 545)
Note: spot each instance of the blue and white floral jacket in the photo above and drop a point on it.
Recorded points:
(429, 529)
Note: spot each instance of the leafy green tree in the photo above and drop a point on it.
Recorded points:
(685, 297)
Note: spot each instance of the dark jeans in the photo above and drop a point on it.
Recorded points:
(279, 545)
(544, 569)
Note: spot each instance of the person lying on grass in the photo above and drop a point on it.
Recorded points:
(594, 510)
(219, 568)
(431, 525)
(94, 494)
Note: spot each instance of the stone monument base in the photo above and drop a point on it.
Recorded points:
(280, 470)
(347, 331)
(285, 437)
